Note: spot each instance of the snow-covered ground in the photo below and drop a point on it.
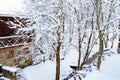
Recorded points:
(46, 71)
(110, 69)
(43, 71)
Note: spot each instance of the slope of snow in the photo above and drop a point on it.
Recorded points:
(110, 70)
(46, 71)
(11, 69)
(43, 71)
(70, 59)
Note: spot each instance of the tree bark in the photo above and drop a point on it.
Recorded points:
(58, 61)
(87, 52)
(60, 31)
(79, 49)
(100, 50)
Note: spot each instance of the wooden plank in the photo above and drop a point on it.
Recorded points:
(16, 36)
(20, 45)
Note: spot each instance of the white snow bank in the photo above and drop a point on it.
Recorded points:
(47, 70)
(43, 71)
(110, 70)
(70, 59)
(3, 78)
(11, 69)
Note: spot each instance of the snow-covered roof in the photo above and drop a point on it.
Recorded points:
(13, 8)
(13, 14)
(12, 5)
(8, 14)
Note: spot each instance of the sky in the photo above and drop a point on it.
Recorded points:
(11, 5)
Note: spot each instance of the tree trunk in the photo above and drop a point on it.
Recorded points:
(79, 51)
(100, 32)
(60, 31)
(58, 61)
(87, 52)
(100, 50)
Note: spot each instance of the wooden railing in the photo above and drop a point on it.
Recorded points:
(13, 41)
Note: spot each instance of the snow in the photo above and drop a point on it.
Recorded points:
(3, 78)
(70, 59)
(11, 69)
(18, 36)
(46, 71)
(12, 8)
(110, 70)
(11, 5)
(43, 71)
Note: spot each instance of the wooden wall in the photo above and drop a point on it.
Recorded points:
(8, 56)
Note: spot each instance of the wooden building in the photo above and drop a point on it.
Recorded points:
(16, 37)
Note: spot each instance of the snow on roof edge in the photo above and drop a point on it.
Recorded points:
(14, 14)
